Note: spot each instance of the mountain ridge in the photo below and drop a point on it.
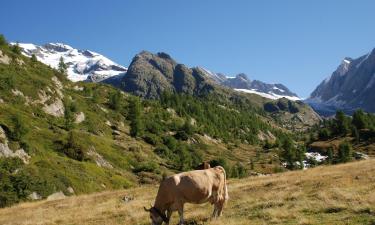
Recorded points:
(350, 86)
(86, 65)
(242, 83)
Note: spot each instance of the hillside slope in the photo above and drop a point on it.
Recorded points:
(60, 136)
(341, 194)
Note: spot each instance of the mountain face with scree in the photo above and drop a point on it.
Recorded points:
(351, 86)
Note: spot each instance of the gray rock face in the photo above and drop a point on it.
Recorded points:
(242, 82)
(149, 75)
(55, 109)
(351, 86)
(4, 58)
(79, 117)
(6, 152)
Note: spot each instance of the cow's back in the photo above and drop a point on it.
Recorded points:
(197, 186)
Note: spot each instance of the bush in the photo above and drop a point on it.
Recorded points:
(181, 135)
(164, 152)
(170, 142)
(146, 167)
(220, 162)
(238, 171)
(73, 149)
(151, 139)
(19, 130)
(324, 134)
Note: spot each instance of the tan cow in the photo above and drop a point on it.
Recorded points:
(197, 186)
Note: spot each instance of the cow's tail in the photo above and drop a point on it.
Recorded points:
(226, 196)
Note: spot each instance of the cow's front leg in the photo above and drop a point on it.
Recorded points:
(214, 213)
(169, 214)
(181, 214)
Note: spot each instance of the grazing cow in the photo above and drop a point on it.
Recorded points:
(197, 186)
(203, 166)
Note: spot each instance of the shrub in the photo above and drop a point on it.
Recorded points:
(220, 162)
(19, 130)
(345, 152)
(170, 142)
(181, 135)
(324, 134)
(151, 139)
(72, 148)
(146, 167)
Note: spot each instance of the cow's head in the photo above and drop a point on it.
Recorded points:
(157, 217)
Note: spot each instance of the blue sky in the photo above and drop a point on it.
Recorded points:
(297, 43)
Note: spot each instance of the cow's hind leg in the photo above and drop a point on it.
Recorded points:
(181, 214)
(220, 209)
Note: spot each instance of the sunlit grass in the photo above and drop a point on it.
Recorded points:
(341, 194)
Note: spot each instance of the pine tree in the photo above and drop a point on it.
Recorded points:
(69, 111)
(342, 125)
(62, 66)
(3, 41)
(115, 100)
(359, 119)
(355, 134)
(135, 117)
(16, 49)
(289, 153)
(33, 58)
(330, 155)
(345, 152)
(300, 155)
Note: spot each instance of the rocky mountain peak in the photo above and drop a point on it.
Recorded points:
(351, 86)
(82, 64)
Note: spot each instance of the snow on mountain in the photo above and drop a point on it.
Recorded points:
(82, 64)
(269, 95)
(243, 84)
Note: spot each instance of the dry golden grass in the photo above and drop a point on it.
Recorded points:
(342, 194)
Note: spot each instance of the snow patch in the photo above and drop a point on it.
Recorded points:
(269, 95)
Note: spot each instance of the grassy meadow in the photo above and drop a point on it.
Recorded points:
(340, 194)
